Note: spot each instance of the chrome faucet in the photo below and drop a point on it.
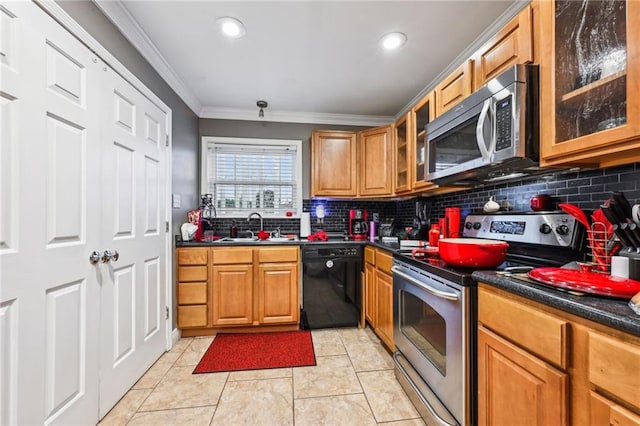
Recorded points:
(259, 216)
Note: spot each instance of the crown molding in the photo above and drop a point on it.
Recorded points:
(129, 27)
(295, 117)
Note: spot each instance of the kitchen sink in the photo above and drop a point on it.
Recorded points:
(237, 240)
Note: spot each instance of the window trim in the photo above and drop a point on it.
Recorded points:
(205, 140)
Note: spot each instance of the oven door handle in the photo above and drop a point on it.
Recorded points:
(439, 293)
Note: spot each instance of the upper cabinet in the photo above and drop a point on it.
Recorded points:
(455, 87)
(403, 155)
(590, 96)
(511, 45)
(349, 164)
(333, 158)
(376, 162)
(419, 116)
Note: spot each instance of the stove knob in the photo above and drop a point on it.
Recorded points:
(477, 225)
(468, 225)
(545, 228)
(562, 230)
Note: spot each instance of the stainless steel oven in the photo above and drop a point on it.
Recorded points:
(433, 335)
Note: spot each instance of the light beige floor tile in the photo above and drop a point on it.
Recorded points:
(367, 356)
(386, 397)
(126, 408)
(194, 352)
(179, 388)
(327, 342)
(181, 345)
(333, 410)
(273, 373)
(265, 402)
(350, 335)
(199, 416)
(412, 422)
(334, 375)
(153, 375)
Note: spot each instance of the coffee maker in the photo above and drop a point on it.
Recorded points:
(358, 224)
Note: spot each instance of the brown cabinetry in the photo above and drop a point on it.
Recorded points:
(590, 66)
(420, 115)
(544, 366)
(513, 44)
(454, 88)
(192, 283)
(333, 164)
(379, 293)
(376, 162)
(238, 287)
(403, 162)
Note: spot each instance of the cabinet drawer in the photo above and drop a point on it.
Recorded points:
(605, 412)
(370, 255)
(278, 254)
(192, 293)
(192, 273)
(384, 261)
(231, 256)
(615, 367)
(192, 316)
(192, 256)
(542, 334)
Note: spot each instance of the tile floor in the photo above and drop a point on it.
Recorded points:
(352, 384)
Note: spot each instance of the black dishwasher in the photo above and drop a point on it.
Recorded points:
(331, 285)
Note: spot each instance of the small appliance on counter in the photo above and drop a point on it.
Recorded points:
(358, 226)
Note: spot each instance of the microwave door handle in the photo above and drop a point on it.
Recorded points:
(482, 143)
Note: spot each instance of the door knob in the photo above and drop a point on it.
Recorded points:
(94, 257)
(110, 255)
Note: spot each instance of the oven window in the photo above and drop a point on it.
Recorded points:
(456, 146)
(425, 328)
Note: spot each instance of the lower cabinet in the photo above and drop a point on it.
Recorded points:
(540, 366)
(244, 287)
(378, 297)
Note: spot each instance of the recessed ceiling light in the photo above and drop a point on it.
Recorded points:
(393, 41)
(231, 27)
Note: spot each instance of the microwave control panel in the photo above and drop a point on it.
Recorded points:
(503, 123)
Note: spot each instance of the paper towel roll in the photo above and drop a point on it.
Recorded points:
(305, 225)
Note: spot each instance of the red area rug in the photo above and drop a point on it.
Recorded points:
(254, 351)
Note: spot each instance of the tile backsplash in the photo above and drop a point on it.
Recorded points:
(584, 188)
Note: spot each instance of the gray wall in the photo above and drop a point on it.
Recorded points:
(184, 123)
(269, 130)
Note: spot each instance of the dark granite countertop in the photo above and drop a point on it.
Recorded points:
(614, 313)
(302, 241)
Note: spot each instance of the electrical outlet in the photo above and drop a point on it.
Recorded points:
(376, 217)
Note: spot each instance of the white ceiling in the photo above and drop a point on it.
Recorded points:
(313, 61)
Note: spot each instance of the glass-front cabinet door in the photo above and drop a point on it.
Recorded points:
(403, 156)
(421, 114)
(590, 60)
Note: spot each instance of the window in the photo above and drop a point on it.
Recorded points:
(247, 175)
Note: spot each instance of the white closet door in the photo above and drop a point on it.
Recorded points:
(133, 185)
(49, 222)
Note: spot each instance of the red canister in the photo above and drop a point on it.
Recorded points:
(434, 235)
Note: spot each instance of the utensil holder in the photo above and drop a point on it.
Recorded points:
(603, 245)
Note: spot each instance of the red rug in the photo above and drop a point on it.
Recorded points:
(254, 351)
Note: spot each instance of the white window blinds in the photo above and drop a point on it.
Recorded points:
(261, 176)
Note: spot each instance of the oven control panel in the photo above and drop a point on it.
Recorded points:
(551, 229)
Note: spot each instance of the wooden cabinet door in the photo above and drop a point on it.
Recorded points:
(376, 164)
(278, 300)
(605, 412)
(423, 112)
(511, 45)
(333, 164)
(370, 304)
(384, 290)
(515, 387)
(403, 155)
(232, 295)
(454, 88)
(589, 91)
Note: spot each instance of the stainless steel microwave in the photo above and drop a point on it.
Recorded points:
(491, 136)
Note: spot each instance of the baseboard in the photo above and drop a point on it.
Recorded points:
(175, 336)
